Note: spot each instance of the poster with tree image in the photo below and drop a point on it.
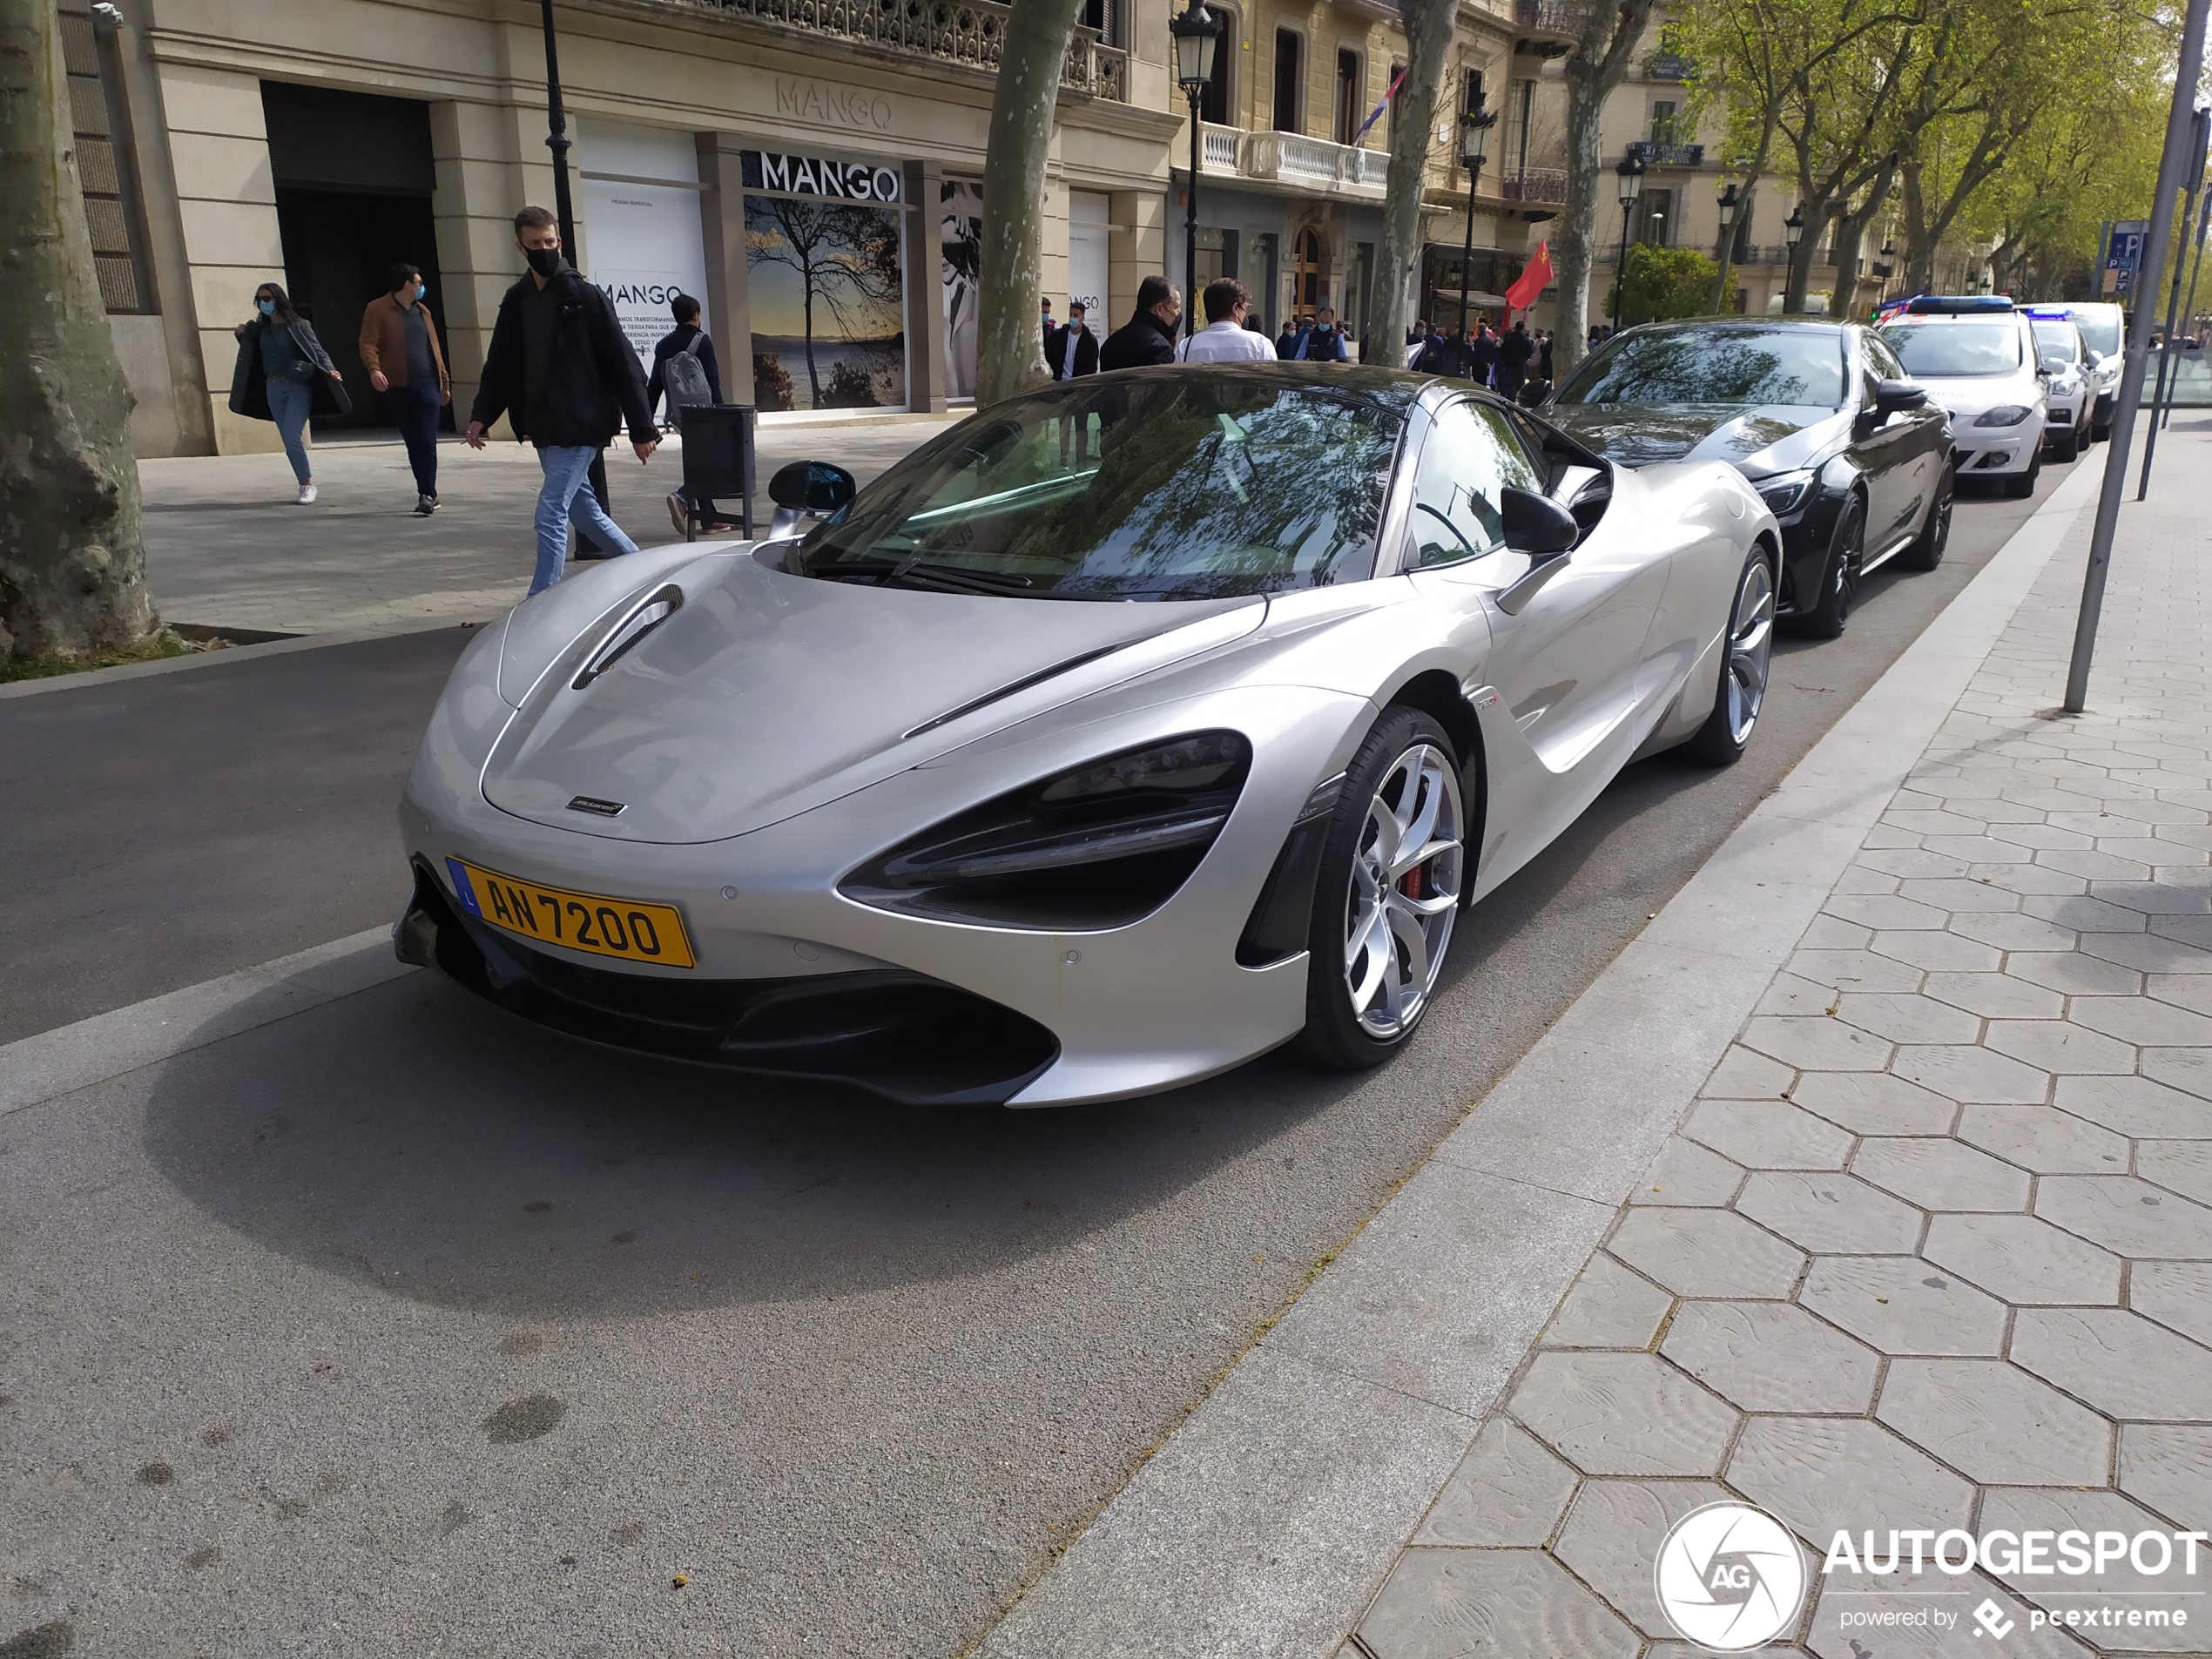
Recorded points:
(828, 328)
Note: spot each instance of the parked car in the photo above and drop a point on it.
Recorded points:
(1128, 730)
(1819, 416)
(2104, 330)
(2069, 387)
(1976, 355)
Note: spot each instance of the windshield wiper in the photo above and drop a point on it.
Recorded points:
(886, 573)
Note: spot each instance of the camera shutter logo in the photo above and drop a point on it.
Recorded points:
(1729, 1577)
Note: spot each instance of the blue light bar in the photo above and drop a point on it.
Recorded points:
(1958, 304)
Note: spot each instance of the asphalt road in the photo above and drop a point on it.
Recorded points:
(399, 1327)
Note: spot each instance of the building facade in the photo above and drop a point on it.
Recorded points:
(810, 173)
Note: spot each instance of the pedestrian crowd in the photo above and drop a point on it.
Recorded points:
(561, 371)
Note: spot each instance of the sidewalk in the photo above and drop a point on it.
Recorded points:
(226, 548)
(1931, 1247)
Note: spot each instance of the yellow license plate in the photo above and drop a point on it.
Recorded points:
(629, 929)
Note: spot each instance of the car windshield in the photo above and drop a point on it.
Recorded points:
(1178, 484)
(1735, 367)
(1941, 348)
(2055, 339)
(2101, 329)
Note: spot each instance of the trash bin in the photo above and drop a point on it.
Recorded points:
(717, 461)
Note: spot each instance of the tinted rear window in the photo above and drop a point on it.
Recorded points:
(1736, 367)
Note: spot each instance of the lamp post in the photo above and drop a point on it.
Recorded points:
(1475, 123)
(1196, 31)
(1630, 173)
(1726, 246)
(557, 138)
(1793, 231)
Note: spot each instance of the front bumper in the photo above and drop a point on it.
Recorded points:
(1996, 452)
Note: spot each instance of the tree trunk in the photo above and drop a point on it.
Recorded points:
(1851, 231)
(1919, 247)
(1600, 58)
(73, 564)
(1010, 347)
(1746, 202)
(1413, 116)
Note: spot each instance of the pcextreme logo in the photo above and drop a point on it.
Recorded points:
(1729, 1577)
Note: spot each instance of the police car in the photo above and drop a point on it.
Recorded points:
(1976, 354)
(2069, 386)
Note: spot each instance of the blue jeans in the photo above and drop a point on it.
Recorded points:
(568, 493)
(290, 403)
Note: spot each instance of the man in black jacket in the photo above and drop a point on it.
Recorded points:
(1514, 352)
(1075, 348)
(687, 339)
(561, 369)
(1148, 337)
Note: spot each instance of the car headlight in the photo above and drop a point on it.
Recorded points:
(1101, 845)
(1786, 491)
(2004, 414)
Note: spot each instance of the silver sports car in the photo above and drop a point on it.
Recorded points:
(1123, 732)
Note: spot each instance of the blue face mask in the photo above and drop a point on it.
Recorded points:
(420, 290)
(268, 306)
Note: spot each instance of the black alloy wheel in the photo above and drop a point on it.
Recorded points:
(1393, 871)
(1926, 551)
(1826, 616)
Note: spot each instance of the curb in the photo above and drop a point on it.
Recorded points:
(1265, 1523)
(235, 654)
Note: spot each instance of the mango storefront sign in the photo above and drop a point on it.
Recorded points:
(787, 175)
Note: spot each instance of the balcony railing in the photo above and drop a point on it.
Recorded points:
(1219, 148)
(1546, 184)
(1291, 158)
(971, 33)
(1551, 16)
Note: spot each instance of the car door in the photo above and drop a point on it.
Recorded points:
(1566, 663)
(1885, 450)
(1928, 430)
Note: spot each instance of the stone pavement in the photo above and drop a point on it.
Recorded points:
(226, 548)
(1933, 1248)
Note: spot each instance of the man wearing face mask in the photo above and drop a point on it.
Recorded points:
(399, 347)
(562, 370)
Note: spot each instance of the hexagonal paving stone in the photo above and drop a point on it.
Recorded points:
(1833, 933)
(1816, 1045)
(2179, 1166)
(1744, 1075)
(1706, 1252)
(1995, 997)
(2146, 952)
(1858, 879)
(1940, 1175)
(1902, 1017)
(1613, 1534)
(2095, 865)
(2136, 1107)
(1938, 952)
(1830, 1212)
(2085, 915)
(2013, 933)
(2167, 896)
(1829, 1636)
(1607, 1306)
(2023, 1260)
(1874, 1103)
(1822, 1475)
(2169, 1468)
(1799, 998)
(1964, 1072)
(1771, 1357)
(2184, 1069)
(1956, 895)
(1447, 1603)
(2025, 879)
(1686, 1173)
(1767, 1135)
(2176, 1294)
(1623, 1414)
(2129, 1217)
(1915, 862)
(2059, 1046)
(2119, 1362)
(2044, 1139)
(2191, 991)
(1902, 1304)
(2142, 1022)
(2073, 974)
(1995, 1423)
(1507, 1491)
(2019, 1510)
(1854, 970)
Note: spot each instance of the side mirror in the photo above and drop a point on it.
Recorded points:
(1894, 397)
(2096, 359)
(2056, 366)
(1536, 525)
(815, 486)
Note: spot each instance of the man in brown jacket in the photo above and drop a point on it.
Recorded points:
(399, 347)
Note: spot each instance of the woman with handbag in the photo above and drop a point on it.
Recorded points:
(285, 376)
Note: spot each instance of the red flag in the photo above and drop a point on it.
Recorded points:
(1534, 277)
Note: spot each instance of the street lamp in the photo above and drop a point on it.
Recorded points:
(1630, 173)
(1793, 228)
(1475, 123)
(1196, 32)
(556, 138)
(1726, 247)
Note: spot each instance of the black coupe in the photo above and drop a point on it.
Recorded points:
(1821, 418)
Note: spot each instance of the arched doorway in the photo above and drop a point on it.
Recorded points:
(1306, 275)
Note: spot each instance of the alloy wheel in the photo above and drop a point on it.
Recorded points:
(1404, 890)
(1750, 651)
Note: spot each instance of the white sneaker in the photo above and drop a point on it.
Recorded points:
(306, 496)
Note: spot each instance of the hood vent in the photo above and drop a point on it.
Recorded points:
(639, 623)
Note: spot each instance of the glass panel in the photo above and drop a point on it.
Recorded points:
(827, 303)
(1470, 456)
(1957, 347)
(1735, 367)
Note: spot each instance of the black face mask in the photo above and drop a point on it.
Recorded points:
(546, 262)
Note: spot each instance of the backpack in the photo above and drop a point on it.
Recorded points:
(684, 378)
